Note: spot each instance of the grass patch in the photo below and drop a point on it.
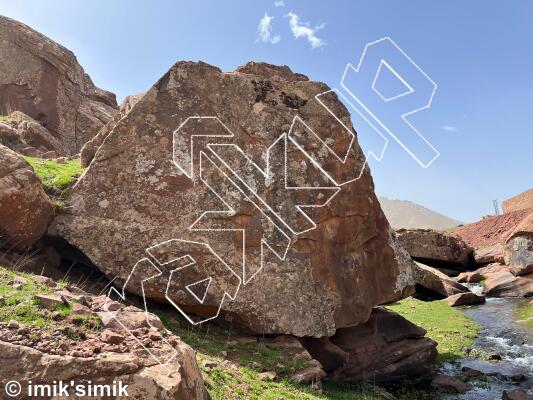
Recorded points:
(449, 327)
(19, 304)
(7, 120)
(525, 314)
(212, 340)
(235, 373)
(57, 178)
(243, 383)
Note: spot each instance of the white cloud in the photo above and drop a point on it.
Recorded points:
(264, 30)
(303, 29)
(450, 128)
(279, 3)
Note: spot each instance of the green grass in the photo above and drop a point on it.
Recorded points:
(449, 327)
(7, 119)
(243, 383)
(19, 304)
(57, 178)
(525, 314)
(239, 379)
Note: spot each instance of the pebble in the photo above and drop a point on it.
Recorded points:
(13, 324)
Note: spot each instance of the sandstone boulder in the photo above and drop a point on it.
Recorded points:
(449, 383)
(505, 284)
(470, 277)
(25, 210)
(9, 136)
(327, 268)
(34, 134)
(435, 248)
(44, 80)
(516, 394)
(488, 254)
(433, 284)
(386, 347)
(463, 299)
(491, 268)
(180, 378)
(518, 248)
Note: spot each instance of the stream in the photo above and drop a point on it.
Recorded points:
(501, 335)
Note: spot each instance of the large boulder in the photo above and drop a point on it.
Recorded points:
(463, 299)
(518, 248)
(327, 268)
(433, 284)
(505, 284)
(386, 347)
(435, 248)
(9, 135)
(32, 133)
(488, 254)
(44, 80)
(25, 209)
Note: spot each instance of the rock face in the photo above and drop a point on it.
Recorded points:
(386, 347)
(489, 254)
(34, 134)
(44, 80)
(144, 381)
(89, 149)
(25, 210)
(433, 284)
(435, 248)
(518, 249)
(505, 284)
(133, 197)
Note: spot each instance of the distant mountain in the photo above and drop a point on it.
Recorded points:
(406, 214)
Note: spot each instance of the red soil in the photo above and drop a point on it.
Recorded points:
(491, 230)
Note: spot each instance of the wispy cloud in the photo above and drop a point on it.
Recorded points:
(449, 128)
(303, 29)
(264, 30)
(279, 3)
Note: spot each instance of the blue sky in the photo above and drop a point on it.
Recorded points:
(479, 53)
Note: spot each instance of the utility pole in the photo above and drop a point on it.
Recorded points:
(496, 209)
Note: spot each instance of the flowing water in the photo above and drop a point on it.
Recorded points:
(501, 335)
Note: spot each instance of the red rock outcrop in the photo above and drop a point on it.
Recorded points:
(44, 80)
(133, 197)
(386, 347)
(435, 248)
(25, 209)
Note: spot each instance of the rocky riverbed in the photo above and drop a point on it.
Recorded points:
(502, 353)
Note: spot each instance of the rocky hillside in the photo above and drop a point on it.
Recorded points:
(521, 201)
(44, 81)
(492, 229)
(408, 215)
